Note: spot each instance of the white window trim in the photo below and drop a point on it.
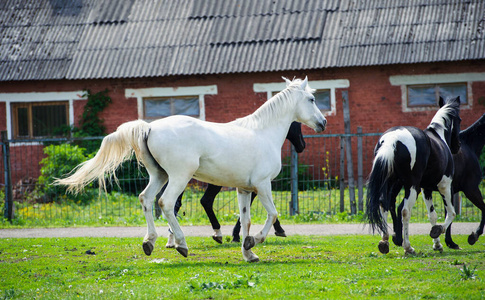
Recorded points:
(406, 80)
(332, 85)
(201, 91)
(10, 98)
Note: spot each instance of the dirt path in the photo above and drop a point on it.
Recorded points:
(304, 229)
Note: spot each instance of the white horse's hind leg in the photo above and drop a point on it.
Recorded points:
(244, 200)
(264, 194)
(406, 216)
(175, 187)
(433, 217)
(157, 179)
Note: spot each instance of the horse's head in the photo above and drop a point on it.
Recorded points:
(295, 136)
(452, 131)
(306, 111)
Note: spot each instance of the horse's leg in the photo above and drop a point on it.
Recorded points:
(410, 195)
(244, 201)
(178, 205)
(433, 217)
(475, 196)
(384, 242)
(396, 219)
(207, 202)
(157, 179)
(444, 187)
(279, 231)
(175, 187)
(264, 193)
(237, 227)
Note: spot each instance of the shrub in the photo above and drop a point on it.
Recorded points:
(59, 161)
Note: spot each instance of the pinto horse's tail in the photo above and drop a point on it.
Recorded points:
(379, 187)
(115, 148)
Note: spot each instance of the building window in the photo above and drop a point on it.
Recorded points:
(325, 98)
(156, 108)
(422, 92)
(39, 119)
(156, 103)
(428, 95)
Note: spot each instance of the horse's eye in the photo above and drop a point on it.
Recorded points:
(312, 99)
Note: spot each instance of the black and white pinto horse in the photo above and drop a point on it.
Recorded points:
(413, 159)
(466, 179)
(295, 136)
(245, 153)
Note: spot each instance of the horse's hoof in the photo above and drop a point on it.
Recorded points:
(282, 233)
(436, 231)
(168, 245)
(254, 259)
(454, 246)
(472, 238)
(249, 242)
(183, 251)
(236, 239)
(217, 239)
(438, 248)
(383, 247)
(409, 251)
(148, 248)
(397, 241)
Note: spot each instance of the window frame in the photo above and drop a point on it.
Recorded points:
(434, 79)
(319, 85)
(170, 92)
(44, 97)
(16, 105)
(436, 87)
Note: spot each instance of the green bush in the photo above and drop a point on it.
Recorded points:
(60, 160)
(282, 182)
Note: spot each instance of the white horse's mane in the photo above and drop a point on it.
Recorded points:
(273, 108)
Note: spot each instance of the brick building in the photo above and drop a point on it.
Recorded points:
(220, 60)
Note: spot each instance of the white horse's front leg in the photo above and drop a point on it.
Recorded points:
(406, 216)
(244, 200)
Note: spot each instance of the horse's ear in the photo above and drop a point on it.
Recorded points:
(304, 83)
(288, 82)
(442, 101)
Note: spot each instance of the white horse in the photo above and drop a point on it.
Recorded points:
(245, 153)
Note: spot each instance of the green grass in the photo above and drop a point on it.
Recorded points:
(297, 267)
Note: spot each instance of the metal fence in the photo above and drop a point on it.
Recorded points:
(326, 181)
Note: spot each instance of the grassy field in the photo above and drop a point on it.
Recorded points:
(298, 267)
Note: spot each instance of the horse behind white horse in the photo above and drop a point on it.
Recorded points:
(245, 153)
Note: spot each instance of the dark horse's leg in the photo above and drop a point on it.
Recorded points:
(207, 202)
(475, 196)
(279, 231)
(396, 219)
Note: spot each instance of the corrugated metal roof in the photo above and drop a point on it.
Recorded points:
(77, 39)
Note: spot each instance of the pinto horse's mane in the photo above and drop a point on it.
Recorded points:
(271, 109)
(443, 119)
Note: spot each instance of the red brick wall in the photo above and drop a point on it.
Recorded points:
(375, 104)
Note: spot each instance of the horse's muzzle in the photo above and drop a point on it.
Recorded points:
(321, 126)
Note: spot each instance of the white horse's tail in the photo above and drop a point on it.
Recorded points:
(115, 149)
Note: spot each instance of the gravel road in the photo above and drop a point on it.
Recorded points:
(305, 229)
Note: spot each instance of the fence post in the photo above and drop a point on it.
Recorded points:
(342, 174)
(348, 146)
(294, 209)
(8, 213)
(360, 171)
